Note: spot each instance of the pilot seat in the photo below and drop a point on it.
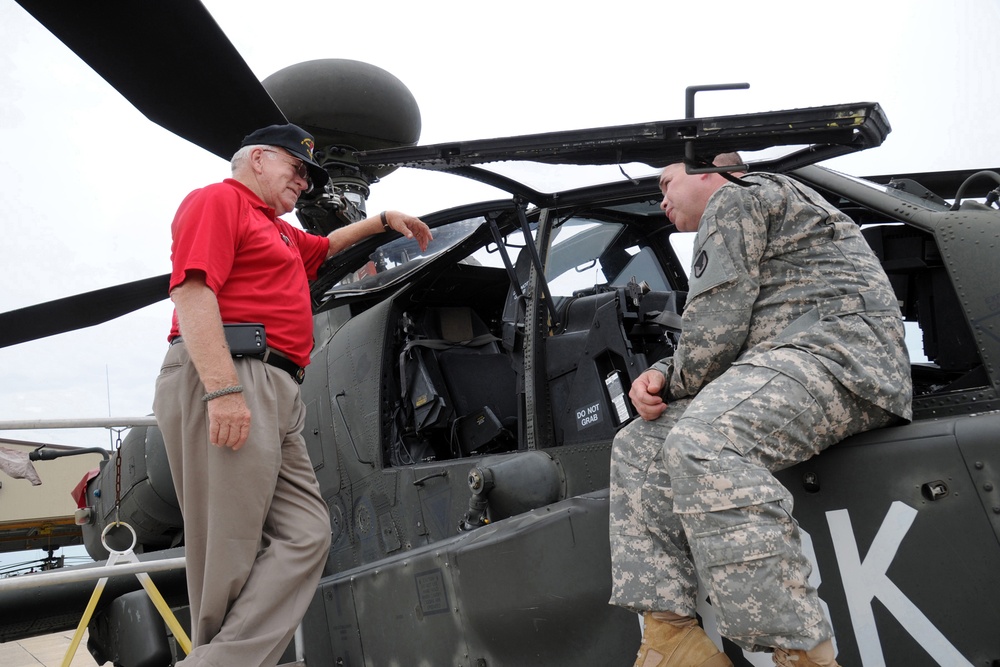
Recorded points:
(457, 379)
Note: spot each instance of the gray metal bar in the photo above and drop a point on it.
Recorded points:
(100, 422)
(53, 578)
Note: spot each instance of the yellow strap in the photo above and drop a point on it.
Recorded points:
(164, 609)
(87, 613)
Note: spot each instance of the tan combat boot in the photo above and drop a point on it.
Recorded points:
(680, 643)
(821, 656)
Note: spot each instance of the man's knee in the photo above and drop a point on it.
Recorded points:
(694, 447)
(322, 550)
(319, 532)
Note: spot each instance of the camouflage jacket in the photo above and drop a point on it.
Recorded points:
(782, 279)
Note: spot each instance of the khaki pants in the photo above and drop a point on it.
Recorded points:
(256, 529)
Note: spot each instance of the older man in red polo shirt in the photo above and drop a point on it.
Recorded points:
(256, 529)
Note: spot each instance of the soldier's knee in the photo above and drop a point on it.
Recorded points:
(693, 446)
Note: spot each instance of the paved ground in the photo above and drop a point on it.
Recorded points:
(50, 651)
(46, 651)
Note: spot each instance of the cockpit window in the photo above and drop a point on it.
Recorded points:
(400, 257)
(588, 252)
(584, 252)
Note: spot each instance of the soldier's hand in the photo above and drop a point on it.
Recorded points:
(228, 421)
(645, 394)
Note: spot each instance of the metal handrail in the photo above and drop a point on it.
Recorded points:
(54, 578)
(98, 422)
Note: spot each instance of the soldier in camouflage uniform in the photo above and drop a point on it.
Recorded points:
(792, 341)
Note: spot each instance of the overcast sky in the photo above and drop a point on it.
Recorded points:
(91, 185)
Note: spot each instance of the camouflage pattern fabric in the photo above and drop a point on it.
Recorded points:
(778, 274)
(792, 341)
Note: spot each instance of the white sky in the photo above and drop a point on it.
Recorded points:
(91, 186)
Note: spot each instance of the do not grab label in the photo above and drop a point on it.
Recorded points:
(588, 416)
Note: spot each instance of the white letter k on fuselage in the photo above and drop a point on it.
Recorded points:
(866, 580)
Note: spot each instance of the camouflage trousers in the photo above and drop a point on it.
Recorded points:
(693, 494)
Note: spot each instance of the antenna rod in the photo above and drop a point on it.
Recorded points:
(691, 90)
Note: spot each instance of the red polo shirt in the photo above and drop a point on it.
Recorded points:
(257, 264)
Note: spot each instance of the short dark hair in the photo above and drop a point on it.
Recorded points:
(727, 159)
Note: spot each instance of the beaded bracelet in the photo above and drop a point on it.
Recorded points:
(385, 223)
(235, 389)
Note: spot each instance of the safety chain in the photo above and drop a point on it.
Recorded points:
(118, 473)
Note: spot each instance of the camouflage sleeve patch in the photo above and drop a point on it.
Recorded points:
(711, 265)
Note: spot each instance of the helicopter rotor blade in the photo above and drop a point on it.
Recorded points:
(169, 59)
(81, 310)
(826, 131)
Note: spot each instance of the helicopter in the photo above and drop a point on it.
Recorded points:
(469, 518)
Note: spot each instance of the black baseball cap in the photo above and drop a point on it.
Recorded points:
(296, 141)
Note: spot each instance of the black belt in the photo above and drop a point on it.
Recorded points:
(284, 363)
(271, 357)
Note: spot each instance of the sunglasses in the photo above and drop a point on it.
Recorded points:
(301, 170)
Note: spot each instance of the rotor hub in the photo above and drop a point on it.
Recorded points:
(347, 106)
